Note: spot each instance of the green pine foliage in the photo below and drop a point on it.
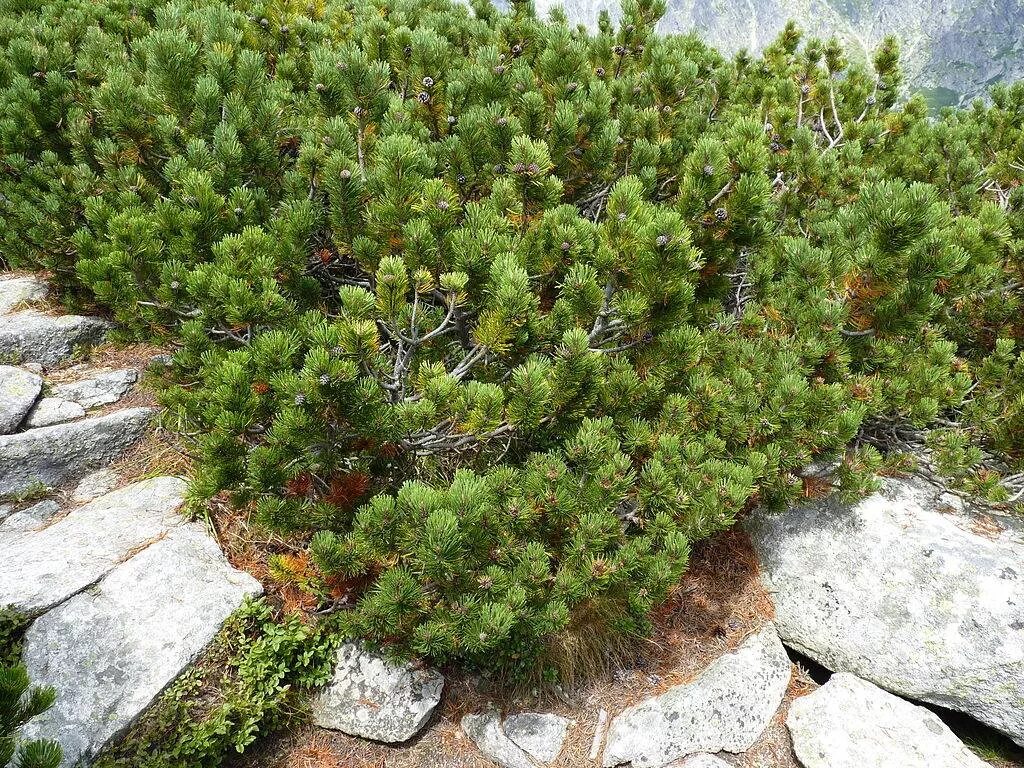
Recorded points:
(500, 317)
(19, 703)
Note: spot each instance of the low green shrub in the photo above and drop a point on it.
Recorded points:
(501, 316)
(247, 683)
(19, 703)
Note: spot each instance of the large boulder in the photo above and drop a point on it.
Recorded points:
(18, 392)
(32, 337)
(905, 592)
(850, 723)
(110, 650)
(55, 455)
(15, 292)
(372, 697)
(43, 568)
(726, 708)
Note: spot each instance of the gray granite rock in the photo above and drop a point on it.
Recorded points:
(30, 519)
(95, 485)
(900, 590)
(18, 392)
(726, 708)
(52, 410)
(539, 734)
(18, 291)
(44, 568)
(102, 388)
(67, 452)
(372, 697)
(850, 723)
(702, 761)
(486, 732)
(110, 650)
(32, 337)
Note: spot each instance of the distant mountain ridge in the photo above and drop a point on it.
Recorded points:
(952, 49)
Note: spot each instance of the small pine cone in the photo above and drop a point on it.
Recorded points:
(325, 380)
(709, 170)
(517, 49)
(452, 119)
(502, 121)
(499, 70)
(499, 168)
(300, 399)
(805, 89)
(871, 101)
(618, 50)
(571, 87)
(345, 173)
(599, 71)
(776, 146)
(175, 285)
(320, 87)
(424, 97)
(239, 211)
(621, 216)
(533, 168)
(357, 111)
(407, 51)
(662, 240)
(442, 205)
(428, 82)
(721, 214)
(284, 29)
(460, 179)
(519, 168)
(639, 49)
(577, 152)
(565, 245)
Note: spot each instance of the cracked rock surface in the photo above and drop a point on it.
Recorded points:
(372, 697)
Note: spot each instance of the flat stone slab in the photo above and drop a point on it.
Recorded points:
(30, 519)
(55, 455)
(103, 388)
(95, 485)
(110, 650)
(726, 708)
(372, 697)
(18, 392)
(703, 761)
(52, 410)
(32, 337)
(43, 568)
(18, 291)
(850, 723)
(900, 590)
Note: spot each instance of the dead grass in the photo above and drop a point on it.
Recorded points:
(718, 605)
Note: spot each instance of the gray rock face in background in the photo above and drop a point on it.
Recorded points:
(103, 388)
(18, 291)
(111, 649)
(371, 697)
(52, 410)
(952, 49)
(904, 594)
(31, 337)
(18, 392)
(850, 723)
(724, 709)
(66, 452)
(43, 568)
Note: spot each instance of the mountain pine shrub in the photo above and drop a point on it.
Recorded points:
(497, 316)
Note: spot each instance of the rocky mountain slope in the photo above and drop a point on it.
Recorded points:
(953, 49)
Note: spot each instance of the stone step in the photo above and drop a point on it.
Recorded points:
(98, 387)
(32, 337)
(63, 453)
(904, 590)
(110, 650)
(44, 568)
